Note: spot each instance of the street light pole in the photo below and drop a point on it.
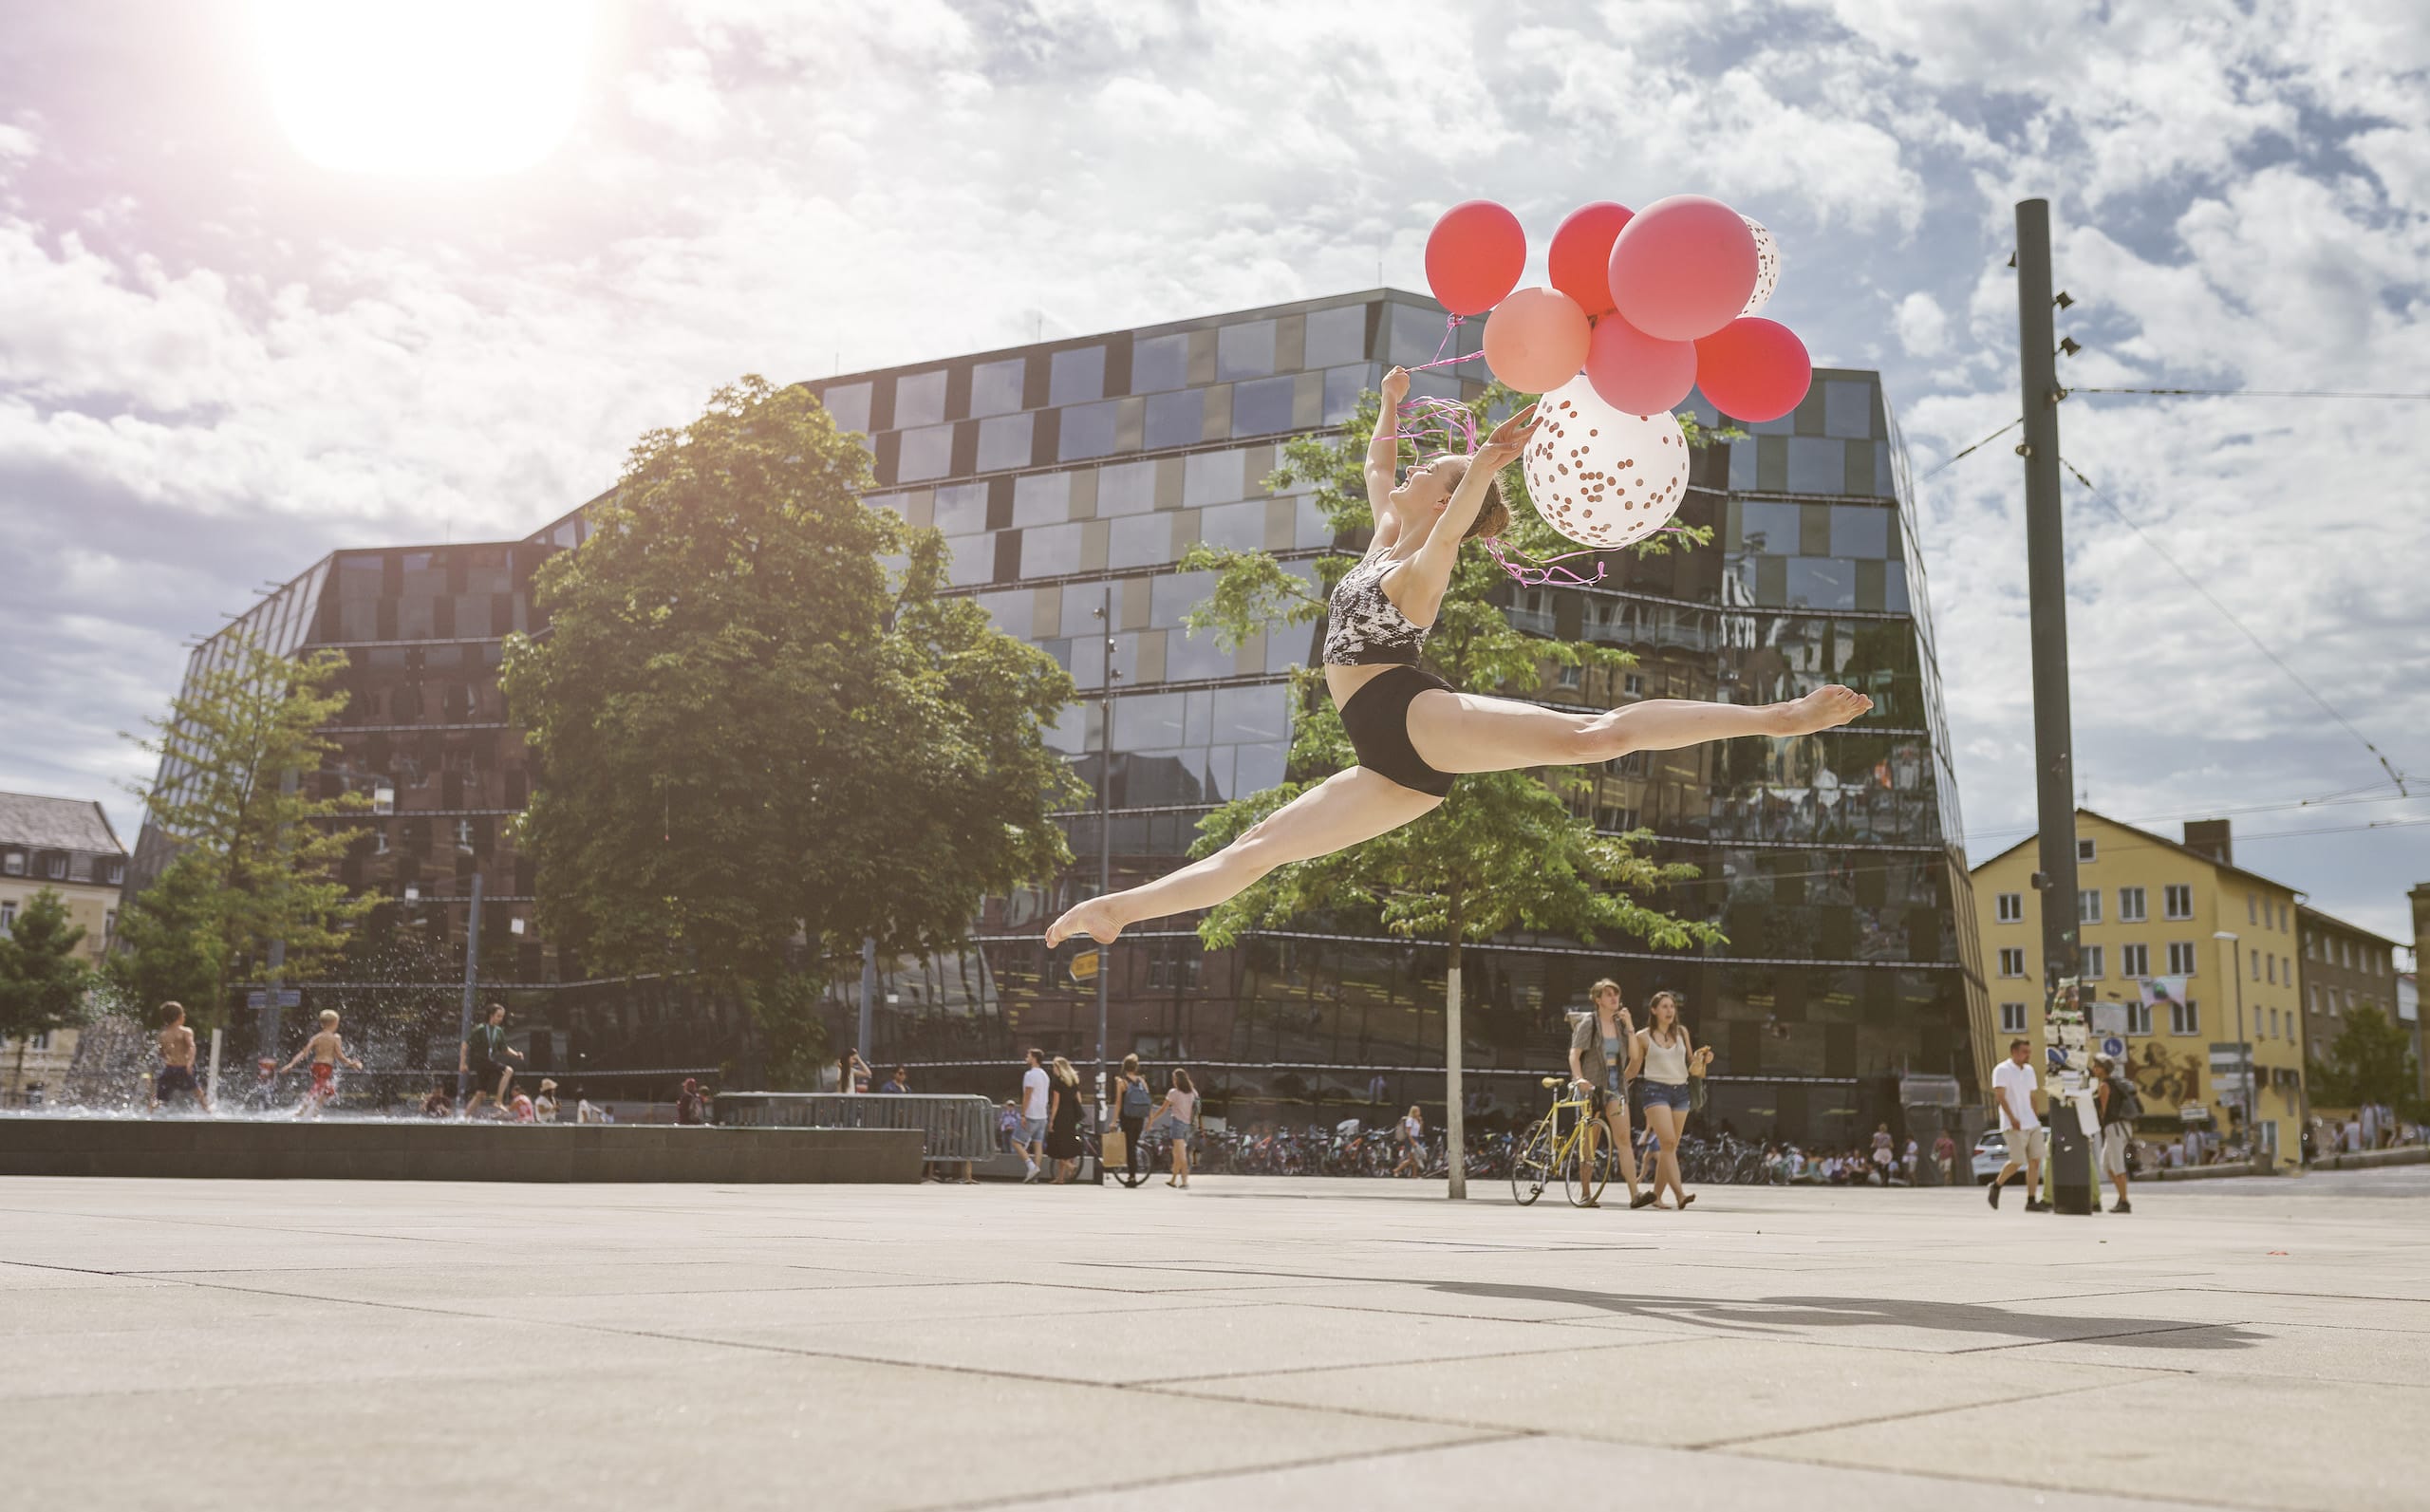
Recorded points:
(2244, 1048)
(471, 979)
(1105, 840)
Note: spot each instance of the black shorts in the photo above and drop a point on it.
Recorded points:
(174, 1080)
(1376, 721)
(485, 1077)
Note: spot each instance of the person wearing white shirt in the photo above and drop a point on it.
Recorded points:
(1032, 1138)
(2013, 1085)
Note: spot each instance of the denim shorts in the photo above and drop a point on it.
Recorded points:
(1033, 1132)
(1670, 1095)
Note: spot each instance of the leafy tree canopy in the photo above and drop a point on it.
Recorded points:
(42, 983)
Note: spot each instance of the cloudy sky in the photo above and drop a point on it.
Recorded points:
(218, 360)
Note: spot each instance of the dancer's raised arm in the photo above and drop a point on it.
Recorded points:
(1417, 588)
(1384, 460)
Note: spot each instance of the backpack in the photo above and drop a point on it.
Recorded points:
(2125, 1104)
(1135, 1099)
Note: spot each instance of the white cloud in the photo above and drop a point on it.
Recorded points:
(1922, 325)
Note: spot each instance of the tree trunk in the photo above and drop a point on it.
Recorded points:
(1455, 1124)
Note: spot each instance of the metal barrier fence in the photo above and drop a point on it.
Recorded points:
(958, 1127)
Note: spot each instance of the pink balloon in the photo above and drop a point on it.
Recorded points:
(1474, 256)
(1636, 374)
(1580, 261)
(1536, 340)
(1753, 369)
(1682, 268)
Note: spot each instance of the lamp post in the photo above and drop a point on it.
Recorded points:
(1105, 836)
(2244, 1047)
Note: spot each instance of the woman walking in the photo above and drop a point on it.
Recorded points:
(1132, 1096)
(1414, 733)
(1063, 1121)
(1599, 1051)
(1662, 1055)
(1412, 1161)
(1180, 1106)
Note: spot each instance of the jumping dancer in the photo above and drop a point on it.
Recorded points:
(1413, 732)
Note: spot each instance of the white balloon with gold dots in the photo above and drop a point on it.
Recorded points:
(1601, 476)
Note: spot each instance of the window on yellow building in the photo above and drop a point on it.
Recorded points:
(2138, 1017)
(2093, 971)
(2130, 906)
(2184, 1018)
(2011, 1018)
(2012, 962)
(2011, 906)
(2088, 905)
(2133, 960)
(2181, 957)
(2177, 899)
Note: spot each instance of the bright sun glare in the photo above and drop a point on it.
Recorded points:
(426, 87)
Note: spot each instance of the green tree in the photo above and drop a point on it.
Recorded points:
(2370, 1061)
(43, 986)
(764, 731)
(169, 948)
(238, 791)
(1511, 849)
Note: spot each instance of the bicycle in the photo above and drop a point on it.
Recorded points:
(1545, 1148)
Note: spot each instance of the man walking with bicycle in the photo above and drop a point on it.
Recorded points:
(1598, 1054)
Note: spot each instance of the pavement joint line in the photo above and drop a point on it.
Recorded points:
(1197, 1477)
(2037, 1487)
(1913, 1414)
(240, 1227)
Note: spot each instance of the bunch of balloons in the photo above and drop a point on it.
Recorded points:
(1643, 306)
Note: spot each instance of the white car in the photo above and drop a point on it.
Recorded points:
(1990, 1153)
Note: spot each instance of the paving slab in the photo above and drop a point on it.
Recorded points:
(1270, 1343)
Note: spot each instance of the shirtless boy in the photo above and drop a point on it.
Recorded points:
(176, 1049)
(326, 1048)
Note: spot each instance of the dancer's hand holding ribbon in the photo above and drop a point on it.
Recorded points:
(1509, 440)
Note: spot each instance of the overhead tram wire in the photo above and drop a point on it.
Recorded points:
(2280, 662)
(1976, 447)
(2249, 393)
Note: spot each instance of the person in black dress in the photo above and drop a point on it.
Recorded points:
(1063, 1120)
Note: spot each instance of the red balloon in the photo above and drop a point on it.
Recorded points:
(1474, 256)
(1580, 258)
(1636, 373)
(1682, 268)
(1753, 369)
(1536, 340)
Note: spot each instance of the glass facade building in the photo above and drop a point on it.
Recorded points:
(1068, 477)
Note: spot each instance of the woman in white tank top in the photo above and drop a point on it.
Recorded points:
(1664, 1057)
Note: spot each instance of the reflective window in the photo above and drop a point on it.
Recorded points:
(1087, 431)
(1010, 610)
(1126, 488)
(848, 404)
(1234, 527)
(1159, 363)
(1178, 418)
(1080, 604)
(1258, 767)
(1309, 527)
(1245, 350)
(1212, 477)
(1253, 714)
(1848, 408)
(1041, 498)
(1004, 442)
(925, 454)
(1262, 407)
(1817, 465)
(974, 560)
(1079, 376)
(1337, 336)
(996, 387)
(1415, 336)
(1191, 657)
(1146, 722)
(1770, 527)
(1140, 540)
(1821, 583)
(1342, 387)
(918, 398)
(1858, 530)
(1051, 550)
(1173, 595)
(962, 509)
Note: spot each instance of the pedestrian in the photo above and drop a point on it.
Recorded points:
(897, 1080)
(1884, 1150)
(1008, 1126)
(1132, 1099)
(518, 1103)
(1034, 1107)
(176, 1055)
(545, 1106)
(484, 1055)
(852, 1073)
(1663, 1059)
(1598, 1056)
(326, 1048)
(587, 1112)
(1945, 1157)
(2121, 1105)
(692, 1105)
(1063, 1121)
(1376, 1089)
(2013, 1085)
(1413, 1138)
(1907, 1160)
(1180, 1106)
(438, 1102)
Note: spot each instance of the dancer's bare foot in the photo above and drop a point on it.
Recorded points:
(1823, 709)
(1094, 919)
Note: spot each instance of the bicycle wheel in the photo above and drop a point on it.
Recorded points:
(1582, 1177)
(1531, 1164)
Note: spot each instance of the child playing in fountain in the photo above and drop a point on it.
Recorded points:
(326, 1048)
(177, 1053)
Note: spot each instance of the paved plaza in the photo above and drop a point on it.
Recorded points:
(1260, 1344)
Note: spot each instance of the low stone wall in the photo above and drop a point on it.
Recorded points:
(2366, 1159)
(337, 1150)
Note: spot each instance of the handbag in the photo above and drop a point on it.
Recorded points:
(1113, 1147)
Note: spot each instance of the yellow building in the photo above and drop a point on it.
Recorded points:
(2152, 913)
(68, 846)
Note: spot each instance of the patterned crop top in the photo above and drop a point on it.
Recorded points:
(1363, 627)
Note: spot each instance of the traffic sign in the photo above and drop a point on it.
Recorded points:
(2113, 1047)
(287, 998)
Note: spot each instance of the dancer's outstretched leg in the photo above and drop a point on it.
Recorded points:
(1469, 732)
(1335, 814)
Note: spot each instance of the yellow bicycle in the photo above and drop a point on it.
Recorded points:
(1548, 1150)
